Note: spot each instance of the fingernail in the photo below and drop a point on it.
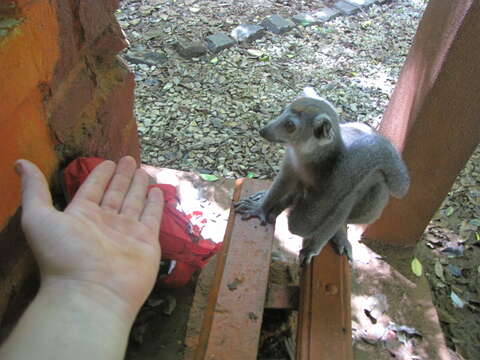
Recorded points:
(18, 168)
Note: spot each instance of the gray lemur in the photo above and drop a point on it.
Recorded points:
(332, 175)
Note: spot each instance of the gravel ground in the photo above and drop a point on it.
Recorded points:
(204, 114)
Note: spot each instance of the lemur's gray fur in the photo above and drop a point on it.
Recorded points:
(332, 175)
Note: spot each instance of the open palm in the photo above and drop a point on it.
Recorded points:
(106, 237)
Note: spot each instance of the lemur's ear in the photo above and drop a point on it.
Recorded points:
(310, 93)
(322, 127)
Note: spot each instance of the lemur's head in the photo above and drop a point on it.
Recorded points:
(307, 123)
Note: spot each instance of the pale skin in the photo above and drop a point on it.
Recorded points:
(98, 262)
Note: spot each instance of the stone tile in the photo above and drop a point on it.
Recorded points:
(361, 3)
(190, 49)
(346, 8)
(305, 19)
(315, 18)
(219, 41)
(148, 58)
(326, 14)
(277, 24)
(247, 32)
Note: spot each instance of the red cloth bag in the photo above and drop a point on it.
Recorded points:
(180, 240)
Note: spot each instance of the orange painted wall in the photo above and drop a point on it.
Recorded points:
(63, 94)
(28, 55)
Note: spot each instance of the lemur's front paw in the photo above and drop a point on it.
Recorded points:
(252, 207)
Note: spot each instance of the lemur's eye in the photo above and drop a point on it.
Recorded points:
(289, 126)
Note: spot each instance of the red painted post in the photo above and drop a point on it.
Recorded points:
(433, 116)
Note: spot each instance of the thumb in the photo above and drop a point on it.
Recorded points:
(35, 191)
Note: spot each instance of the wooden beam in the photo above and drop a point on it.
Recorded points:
(325, 325)
(233, 318)
(433, 116)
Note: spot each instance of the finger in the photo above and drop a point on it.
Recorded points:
(134, 202)
(118, 188)
(152, 214)
(35, 191)
(93, 188)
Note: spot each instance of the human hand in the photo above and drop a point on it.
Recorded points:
(105, 244)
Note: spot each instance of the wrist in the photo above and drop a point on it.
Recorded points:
(87, 320)
(89, 297)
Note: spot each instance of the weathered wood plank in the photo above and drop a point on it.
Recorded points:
(325, 328)
(232, 323)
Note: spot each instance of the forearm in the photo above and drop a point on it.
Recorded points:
(278, 197)
(68, 321)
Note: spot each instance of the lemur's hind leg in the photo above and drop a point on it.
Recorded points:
(311, 247)
(341, 244)
(370, 205)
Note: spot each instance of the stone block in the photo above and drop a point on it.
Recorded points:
(305, 19)
(361, 3)
(149, 58)
(315, 18)
(346, 8)
(247, 32)
(218, 42)
(190, 48)
(326, 14)
(277, 24)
